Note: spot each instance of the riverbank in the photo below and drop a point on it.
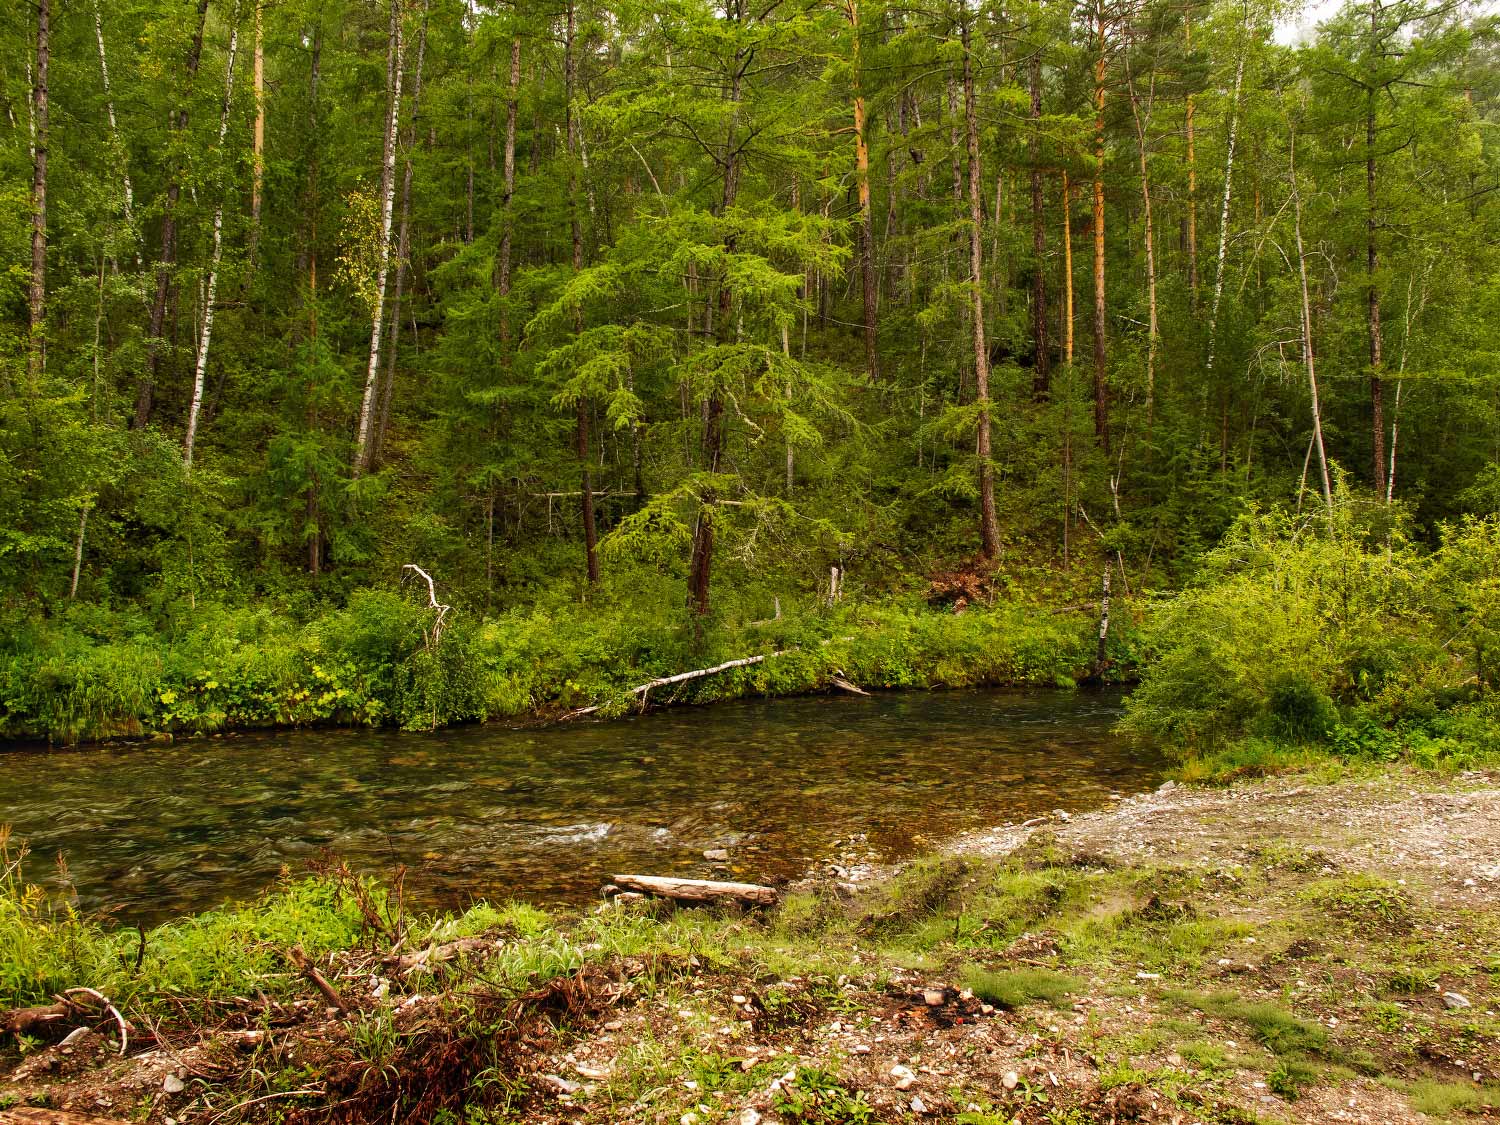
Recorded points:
(1314, 948)
(381, 661)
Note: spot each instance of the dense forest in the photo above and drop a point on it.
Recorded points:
(673, 329)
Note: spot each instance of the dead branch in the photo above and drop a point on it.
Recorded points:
(108, 1006)
(433, 604)
(643, 690)
(310, 971)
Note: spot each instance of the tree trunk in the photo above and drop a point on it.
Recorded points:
(570, 79)
(1067, 210)
(1372, 263)
(1234, 122)
(403, 251)
(1151, 321)
(178, 122)
(697, 890)
(395, 57)
(200, 367)
(128, 191)
(700, 565)
(1041, 372)
(38, 293)
(1307, 340)
(506, 218)
(1192, 177)
(1101, 386)
(866, 222)
(258, 142)
(989, 533)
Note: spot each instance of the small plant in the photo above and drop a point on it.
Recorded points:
(816, 1097)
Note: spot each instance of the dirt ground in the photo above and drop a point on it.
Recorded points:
(1286, 950)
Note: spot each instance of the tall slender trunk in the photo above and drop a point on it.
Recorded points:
(395, 57)
(989, 532)
(1101, 386)
(1067, 210)
(200, 367)
(1234, 124)
(1372, 264)
(312, 528)
(1149, 234)
(403, 250)
(507, 219)
(1307, 340)
(38, 293)
(127, 189)
(866, 223)
(177, 124)
(258, 142)
(700, 565)
(1189, 115)
(585, 468)
(1041, 371)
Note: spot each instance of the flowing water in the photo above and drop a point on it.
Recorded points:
(546, 814)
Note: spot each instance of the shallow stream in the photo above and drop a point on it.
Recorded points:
(545, 814)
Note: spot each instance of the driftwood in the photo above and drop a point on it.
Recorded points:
(643, 690)
(697, 890)
(54, 1021)
(29, 1116)
(437, 954)
(844, 685)
(310, 971)
(46, 1021)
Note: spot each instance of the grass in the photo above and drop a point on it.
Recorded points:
(1014, 988)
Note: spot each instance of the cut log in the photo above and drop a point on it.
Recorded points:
(697, 890)
(28, 1116)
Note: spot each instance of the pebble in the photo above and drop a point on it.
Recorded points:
(903, 1076)
(933, 997)
(1456, 1000)
(173, 1085)
(1011, 1080)
(918, 1105)
(719, 854)
(749, 1116)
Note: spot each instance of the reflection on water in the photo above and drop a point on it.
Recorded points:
(545, 814)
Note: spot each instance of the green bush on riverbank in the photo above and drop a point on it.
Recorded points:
(90, 674)
(1306, 636)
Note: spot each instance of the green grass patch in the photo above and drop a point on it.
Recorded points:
(1014, 988)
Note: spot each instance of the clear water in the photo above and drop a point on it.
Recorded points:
(546, 814)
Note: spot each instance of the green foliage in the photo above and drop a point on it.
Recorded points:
(1300, 634)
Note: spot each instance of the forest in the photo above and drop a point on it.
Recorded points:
(422, 361)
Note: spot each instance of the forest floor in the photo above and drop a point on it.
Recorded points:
(1311, 948)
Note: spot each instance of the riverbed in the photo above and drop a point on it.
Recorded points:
(151, 831)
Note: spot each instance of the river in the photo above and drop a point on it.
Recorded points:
(149, 831)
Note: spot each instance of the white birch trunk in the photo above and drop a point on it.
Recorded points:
(200, 369)
(1234, 125)
(394, 61)
(114, 133)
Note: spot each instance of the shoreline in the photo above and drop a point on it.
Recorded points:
(1308, 948)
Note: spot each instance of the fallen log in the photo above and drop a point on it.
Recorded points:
(844, 685)
(697, 890)
(643, 690)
